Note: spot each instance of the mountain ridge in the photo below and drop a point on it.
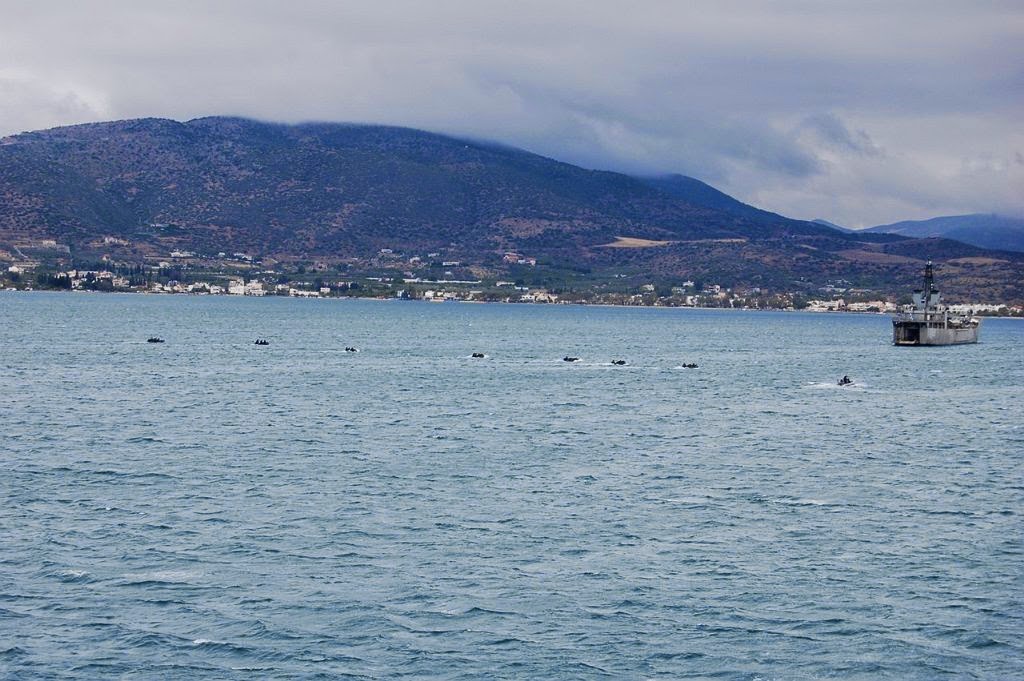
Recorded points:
(987, 230)
(137, 189)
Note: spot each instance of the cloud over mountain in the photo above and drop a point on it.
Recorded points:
(862, 113)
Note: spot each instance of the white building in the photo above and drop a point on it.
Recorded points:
(975, 308)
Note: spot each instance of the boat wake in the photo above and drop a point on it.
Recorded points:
(833, 385)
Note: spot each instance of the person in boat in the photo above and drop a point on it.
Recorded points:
(845, 380)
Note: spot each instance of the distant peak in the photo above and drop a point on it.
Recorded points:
(820, 221)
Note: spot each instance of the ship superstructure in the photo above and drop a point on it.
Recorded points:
(928, 322)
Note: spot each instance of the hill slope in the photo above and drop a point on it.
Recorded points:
(331, 188)
(984, 230)
(833, 225)
(130, 190)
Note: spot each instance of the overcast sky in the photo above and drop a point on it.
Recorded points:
(859, 112)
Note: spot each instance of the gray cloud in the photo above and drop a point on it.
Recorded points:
(859, 112)
(830, 130)
(31, 104)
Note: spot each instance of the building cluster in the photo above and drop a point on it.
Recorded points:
(167, 278)
(392, 257)
(970, 309)
(981, 308)
(517, 259)
(840, 305)
(83, 279)
(238, 287)
(255, 287)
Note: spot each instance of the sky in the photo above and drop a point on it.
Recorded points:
(858, 112)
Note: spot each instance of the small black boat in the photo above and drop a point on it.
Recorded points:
(261, 341)
(845, 380)
(619, 362)
(351, 349)
(154, 339)
(570, 359)
(478, 355)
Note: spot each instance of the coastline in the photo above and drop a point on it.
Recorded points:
(478, 302)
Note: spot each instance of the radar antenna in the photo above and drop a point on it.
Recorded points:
(929, 278)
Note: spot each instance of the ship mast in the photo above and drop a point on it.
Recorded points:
(929, 289)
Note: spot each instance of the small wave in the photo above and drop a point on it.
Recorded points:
(478, 610)
(821, 385)
(162, 602)
(152, 639)
(426, 631)
(238, 650)
(73, 576)
(796, 501)
(129, 474)
(160, 578)
(982, 641)
(259, 630)
(95, 670)
(592, 667)
(676, 656)
(504, 642)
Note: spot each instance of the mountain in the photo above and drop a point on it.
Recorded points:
(343, 189)
(833, 225)
(695, 192)
(698, 193)
(134, 191)
(986, 230)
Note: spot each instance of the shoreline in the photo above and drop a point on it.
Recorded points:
(477, 302)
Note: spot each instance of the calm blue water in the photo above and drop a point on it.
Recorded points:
(207, 508)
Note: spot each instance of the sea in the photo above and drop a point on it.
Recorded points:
(206, 508)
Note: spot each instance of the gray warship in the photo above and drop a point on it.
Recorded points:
(928, 322)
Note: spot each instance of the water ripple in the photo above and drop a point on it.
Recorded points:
(208, 512)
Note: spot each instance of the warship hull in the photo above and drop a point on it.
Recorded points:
(928, 322)
(922, 333)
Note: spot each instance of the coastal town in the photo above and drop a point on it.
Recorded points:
(184, 274)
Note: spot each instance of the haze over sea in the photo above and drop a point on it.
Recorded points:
(207, 508)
